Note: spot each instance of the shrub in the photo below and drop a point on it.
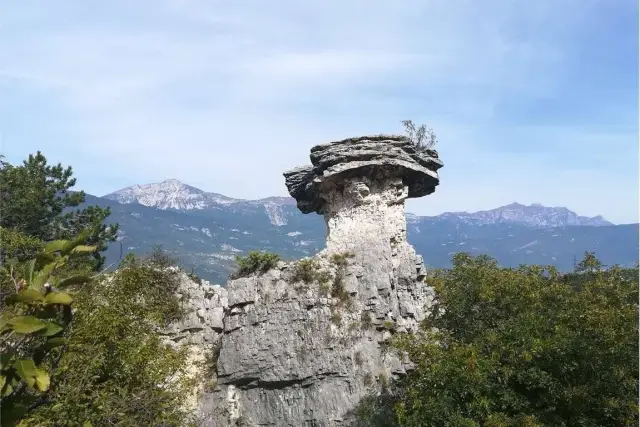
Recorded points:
(389, 325)
(336, 318)
(424, 138)
(324, 288)
(337, 289)
(341, 259)
(116, 369)
(211, 385)
(33, 322)
(525, 347)
(255, 262)
(384, 379)
(18, 245)
(306, 271)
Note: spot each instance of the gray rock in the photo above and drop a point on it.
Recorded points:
(296, 354)
(377, 157)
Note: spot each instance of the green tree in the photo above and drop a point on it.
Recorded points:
(116, 369)
(36, 201)
(524, 347)
(423, 137)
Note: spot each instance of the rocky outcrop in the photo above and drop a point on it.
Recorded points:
(376, 157)
(301, 344)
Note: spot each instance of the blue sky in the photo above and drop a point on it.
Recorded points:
(532, 101)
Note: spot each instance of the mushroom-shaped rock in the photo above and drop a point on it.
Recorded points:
(376, 157)
(360, 185)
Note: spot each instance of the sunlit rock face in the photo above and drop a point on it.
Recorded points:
(298, 351)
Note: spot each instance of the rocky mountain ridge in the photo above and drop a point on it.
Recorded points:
(175, 195)
(208, 239)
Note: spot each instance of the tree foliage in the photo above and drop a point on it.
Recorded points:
(36, 201)
(423, 137)
(76, 347)
(525, 347)
(32, 323)
(115, 369)
(255, 262)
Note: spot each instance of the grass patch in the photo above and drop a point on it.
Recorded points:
(341, 259)
(389, 325)
(336, 318)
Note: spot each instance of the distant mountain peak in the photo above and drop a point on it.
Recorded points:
(173, 181)
(169, 194)
(175, 194)
(534, 215)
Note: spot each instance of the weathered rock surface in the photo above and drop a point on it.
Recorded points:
(377, 157)
(300, 345)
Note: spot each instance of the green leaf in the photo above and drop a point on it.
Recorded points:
(44, 258)
(26, 324)
(5, 358)
(28, 269)
(51, 329)
(29, 295)
(70, 244)
(59, 298)
(43, 381)
(34, 377)
(27, 370)
(87, 424)
(74, 280)
(55, 246)
(3, 381)
(41, 276)
(83, 249)
(4, 320)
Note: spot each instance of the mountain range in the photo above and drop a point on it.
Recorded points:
(207, 230)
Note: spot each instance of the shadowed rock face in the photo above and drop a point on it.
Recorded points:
(298, 352)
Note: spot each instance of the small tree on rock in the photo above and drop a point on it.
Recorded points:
(423, 137)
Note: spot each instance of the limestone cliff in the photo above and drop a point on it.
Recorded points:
(300, 345)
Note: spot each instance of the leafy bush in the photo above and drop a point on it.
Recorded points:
(306, 271)
(336, 318)
(116, 369)
(32, 323)
(18, 246)
(337, 289)
(525, 347)
(341, 259)
(255, 262)
(424, 138)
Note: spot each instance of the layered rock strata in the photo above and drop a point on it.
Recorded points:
(300, 345)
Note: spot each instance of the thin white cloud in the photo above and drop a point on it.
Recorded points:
(227, 95)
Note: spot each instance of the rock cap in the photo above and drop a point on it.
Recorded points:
(376, 157)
